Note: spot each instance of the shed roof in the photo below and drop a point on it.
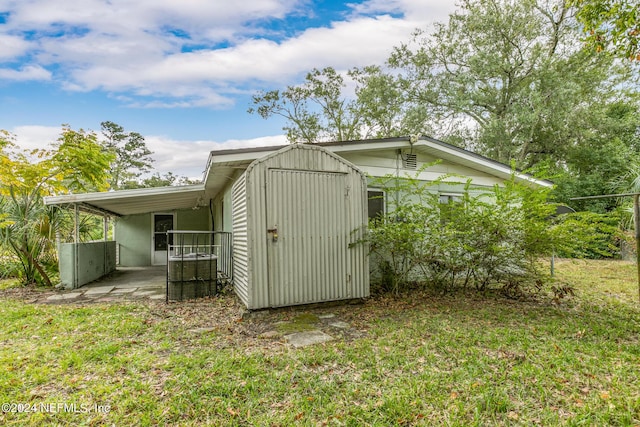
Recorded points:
(224, 165)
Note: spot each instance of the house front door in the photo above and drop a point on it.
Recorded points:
(161, 223)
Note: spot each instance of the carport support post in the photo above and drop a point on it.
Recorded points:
(76, 240)
(636, 223)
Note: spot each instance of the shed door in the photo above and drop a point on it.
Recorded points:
(308, 259)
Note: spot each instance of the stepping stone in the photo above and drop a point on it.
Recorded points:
(159, 296)
(98, 290)
(340, 325)
(64, 297)
(107, 299)
(326, 316)
(303, 339)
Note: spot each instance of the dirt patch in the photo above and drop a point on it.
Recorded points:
(28, 293)
(227, 318)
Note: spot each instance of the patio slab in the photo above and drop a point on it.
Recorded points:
(124, 290)
(64, 297)
(98, 290)
(146, 293)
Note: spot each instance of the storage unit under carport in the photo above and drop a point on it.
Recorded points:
(298, 217)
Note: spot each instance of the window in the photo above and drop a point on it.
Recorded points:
(376, 203)
(450, 198)
(448, 205)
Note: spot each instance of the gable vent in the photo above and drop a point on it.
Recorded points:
(409, 161)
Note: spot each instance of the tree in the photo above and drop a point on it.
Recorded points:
(76, 162)
(131, 155)
(382, 105)
(166, 180)
(315, 111)
(611, 25)
(604, 159)
(507, 75)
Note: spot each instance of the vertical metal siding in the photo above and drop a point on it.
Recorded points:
(323, 267)
(240, 239)
(308, 262)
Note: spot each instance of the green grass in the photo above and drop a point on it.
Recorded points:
(9, 283)
(419, 359)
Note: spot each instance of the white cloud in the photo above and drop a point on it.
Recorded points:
(206, 75)
(12, 46)
(33, 136)
(189, 158)
(182, 157)
(26, 73)
(141, 48)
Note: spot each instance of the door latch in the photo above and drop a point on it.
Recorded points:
(274, 233)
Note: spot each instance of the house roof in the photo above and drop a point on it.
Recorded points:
(224, 165)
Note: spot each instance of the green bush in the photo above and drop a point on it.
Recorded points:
(485, 238)
(588, 235)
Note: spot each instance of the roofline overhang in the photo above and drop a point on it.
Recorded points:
(120, 194)
(250, 154)
(89, 202)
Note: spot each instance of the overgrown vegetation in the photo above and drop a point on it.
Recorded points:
(74, 163)
(417, 358)
(589, 235)
(482, 238)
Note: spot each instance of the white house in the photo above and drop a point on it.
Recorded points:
(283, 217)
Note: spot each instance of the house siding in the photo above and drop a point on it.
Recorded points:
(133, 234)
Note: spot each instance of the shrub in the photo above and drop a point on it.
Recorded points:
(483, 238)
(589, 235)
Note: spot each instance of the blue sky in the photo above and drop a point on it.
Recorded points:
(181, 73)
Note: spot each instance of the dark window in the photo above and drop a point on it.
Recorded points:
(376, 204)
(162, 224)
(450, 198)
(448, 205)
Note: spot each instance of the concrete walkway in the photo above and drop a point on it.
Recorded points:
(126, 283)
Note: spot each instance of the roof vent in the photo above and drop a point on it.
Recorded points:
(409, 161)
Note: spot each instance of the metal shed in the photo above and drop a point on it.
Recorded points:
(297, 215)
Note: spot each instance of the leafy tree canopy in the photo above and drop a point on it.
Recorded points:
(76, 162)
(132, 158)
(508, 77)
(611, 25)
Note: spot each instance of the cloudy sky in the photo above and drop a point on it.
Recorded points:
(181, 73)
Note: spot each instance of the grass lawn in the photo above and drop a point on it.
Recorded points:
(419, 359)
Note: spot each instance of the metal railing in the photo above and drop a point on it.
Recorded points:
(223, 240)
(197, 250)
